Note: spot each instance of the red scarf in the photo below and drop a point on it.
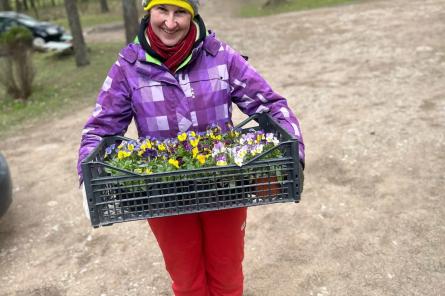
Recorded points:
(173, 55)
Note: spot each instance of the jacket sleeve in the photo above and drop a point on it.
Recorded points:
(253, 94)
(111, 116)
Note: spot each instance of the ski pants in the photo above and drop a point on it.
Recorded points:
(203, 252)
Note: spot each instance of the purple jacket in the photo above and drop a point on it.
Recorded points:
(200, 93)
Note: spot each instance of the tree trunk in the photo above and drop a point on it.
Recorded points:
(18, 5)
(80, 48)
(34, 8)
(130, 19)
(5, 5)
(104, 6)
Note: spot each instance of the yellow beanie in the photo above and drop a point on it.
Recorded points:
(180, 3)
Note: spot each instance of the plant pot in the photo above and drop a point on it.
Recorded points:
(267, 186)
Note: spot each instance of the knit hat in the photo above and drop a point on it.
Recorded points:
(189, 5)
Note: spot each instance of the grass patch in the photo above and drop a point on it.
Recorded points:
(91, 20)
(255, 8)
(59, 86)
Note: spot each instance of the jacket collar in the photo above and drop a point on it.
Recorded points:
(211, 44)
(134, 51)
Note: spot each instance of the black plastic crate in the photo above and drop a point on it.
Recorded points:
(129, 197)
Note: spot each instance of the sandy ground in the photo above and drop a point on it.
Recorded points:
(368, 84)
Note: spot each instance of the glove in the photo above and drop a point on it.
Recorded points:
(85, 203)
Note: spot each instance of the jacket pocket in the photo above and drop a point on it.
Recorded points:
(150, 91)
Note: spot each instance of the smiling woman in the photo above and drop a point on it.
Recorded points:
(177, 77)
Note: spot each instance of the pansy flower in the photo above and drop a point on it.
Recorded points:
(161, 147)
(195, 152)
(191, 134)
(182, 137)
(110, 149)
(187, 146)
(201, 158)
(174, 162)
(191, 150)
(123, 154)
(194, 141)
(269, 137)
(218, 148)
(256, 149)
(221, 160)
(238, 160)
(259, 136)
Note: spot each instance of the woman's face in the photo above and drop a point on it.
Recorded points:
(170, 23)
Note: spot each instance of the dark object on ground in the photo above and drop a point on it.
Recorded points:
(5, 186)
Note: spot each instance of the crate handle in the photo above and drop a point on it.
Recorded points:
(115, 168)
(261, 155)
(264, 120)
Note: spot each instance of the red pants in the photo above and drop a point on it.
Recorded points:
(203, 252)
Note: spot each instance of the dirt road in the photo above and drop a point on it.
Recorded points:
(368, 83)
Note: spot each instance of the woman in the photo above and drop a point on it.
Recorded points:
(177, 77)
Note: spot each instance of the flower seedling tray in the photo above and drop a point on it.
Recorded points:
(130, 196)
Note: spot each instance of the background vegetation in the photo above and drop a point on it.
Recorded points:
(90, 11)
(252, 8)
(60, 87)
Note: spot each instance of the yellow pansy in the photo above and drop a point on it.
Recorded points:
(123, 154)
(213, 137)
(182, 137)
(161, 147)
(142, 149)
(195, 152)
(130, 147)
(234, 133)
(201, 158)
(146, 145)
(194, 142)
(174, 162)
